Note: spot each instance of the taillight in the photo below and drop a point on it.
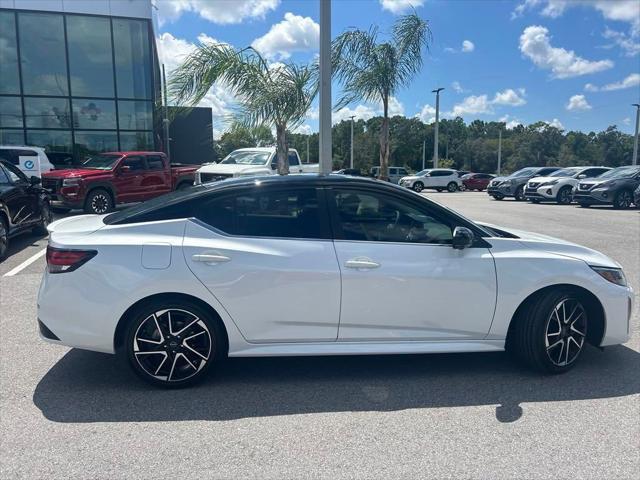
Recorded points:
(61, 261)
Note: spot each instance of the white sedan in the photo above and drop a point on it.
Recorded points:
(559, 185)
(435, 178)
(318, 265)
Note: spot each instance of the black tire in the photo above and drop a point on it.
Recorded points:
(178, 363)
(519, 195)
(623, 200)
(541, 333)
(438, 189)
(60, 210)
(98, 201)
(418, 187)
(498, 197)
(564, 196)
(584, 205)
(183, 185)
(4, 238)
(45, 220)
(452, 187)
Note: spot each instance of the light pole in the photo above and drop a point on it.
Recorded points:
(325, 87)
(435, 137)
(351, 162)
(634, 161)
(308, 137)
(424, 153)
(499, 150)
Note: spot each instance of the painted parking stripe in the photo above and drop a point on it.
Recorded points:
(26, 263)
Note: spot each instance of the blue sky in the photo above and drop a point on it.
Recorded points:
(574, 63)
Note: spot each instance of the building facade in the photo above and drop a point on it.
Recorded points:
(79, 77)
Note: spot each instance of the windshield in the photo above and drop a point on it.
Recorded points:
(620, 172)
(566, 172)
(246, 158)
(422, 173)
(525, 172)
(101, 162)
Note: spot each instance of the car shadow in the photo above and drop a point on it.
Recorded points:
(21, 242)
(92, 387)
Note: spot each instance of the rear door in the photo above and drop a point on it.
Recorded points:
(294, 163)
(156, 177)
(267, 256)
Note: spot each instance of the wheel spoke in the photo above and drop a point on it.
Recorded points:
(188, 361)
(194, 351)
(574, 329)
(164, 359)
(155, 319)
(559, 342)
(187, 326)
(173, 366)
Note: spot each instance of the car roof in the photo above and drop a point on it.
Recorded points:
(133, 152)
(11, 147)
(260, 149)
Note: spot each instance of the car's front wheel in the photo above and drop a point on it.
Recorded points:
(99, 202)
(172, 344)
(564, 196)
(519, 195)
(4, 238)
(623, 200)
(551, 332)
(418, 187)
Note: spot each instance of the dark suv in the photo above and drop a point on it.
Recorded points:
(612, 188)
(513, 185)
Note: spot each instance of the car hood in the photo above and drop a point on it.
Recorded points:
(411, 178)
(230, 168)
(537, 241)
(596, 181)
(74, 173)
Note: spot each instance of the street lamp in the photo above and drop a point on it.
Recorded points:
(634, 161)
(325, 87)
(351, 162)
(435, 137)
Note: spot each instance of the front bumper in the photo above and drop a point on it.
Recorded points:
(596, 196)
(504, 190)
(540, 193)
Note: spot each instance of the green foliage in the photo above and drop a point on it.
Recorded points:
(240, 136)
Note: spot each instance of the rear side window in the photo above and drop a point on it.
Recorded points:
(155, 163)
(4, 179)
(293, 159)
(271, 213)
(546, 171)
(135, 164)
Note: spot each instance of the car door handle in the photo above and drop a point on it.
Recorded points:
(210, 258)
(361, 262)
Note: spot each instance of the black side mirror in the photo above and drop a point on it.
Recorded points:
(35, 180)
(462, 238)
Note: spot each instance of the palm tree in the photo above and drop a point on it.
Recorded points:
(374, 72)
(276, 95)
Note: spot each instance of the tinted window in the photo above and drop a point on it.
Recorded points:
(51, 140)
(545, 171)
(9, 82)
(293, 159)
(135, 115)
(136, 141)
(290, 213)
(402, 171)
(440, 173)
(10, 111)
(4, 179)
(133, 62)
(47, 112)
(135, 164)
(155, 163)
(94, 114)
(42, 54)
(15, 175)
(594, 172)
(374, 217)
(90, 59)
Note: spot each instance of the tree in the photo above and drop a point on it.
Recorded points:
(240, 136)
(374, 71)
(273, 95)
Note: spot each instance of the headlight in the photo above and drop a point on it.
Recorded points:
(548, 184)
(71, 182)
(607, 184)
(614, 275)
(506, 182)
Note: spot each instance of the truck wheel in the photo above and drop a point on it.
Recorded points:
(98, 202)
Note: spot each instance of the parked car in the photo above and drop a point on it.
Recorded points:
(434, 178)
(636, 197)
(395, 173)
(462, 173)
(349, 171)
(245, 162)
(477, 181)
(306, 265)
(33, 161)
(558, 186)
(24, 205)
(109, 179)
(513, 185)
(614, 187)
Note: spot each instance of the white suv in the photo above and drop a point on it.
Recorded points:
(395, 173)
(31, 160)
(558, 186)
(436, 178)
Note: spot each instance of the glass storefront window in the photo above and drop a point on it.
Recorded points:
(9, 79)
(11, 137)
(98, 114)
(90, 59)
(133, 60)
(42, 54)
(50, 140)
(10, 112)
(90, 143)
(136, 141)
(47, 112)
(135, 115)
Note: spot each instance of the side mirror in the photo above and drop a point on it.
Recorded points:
(124, 169)
(35, 180)
(274, 165)
(462, 238)
(581, 176)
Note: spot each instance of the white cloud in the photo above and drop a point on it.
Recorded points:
(510, 97)
(620, 10)
(468, 46)
(578, 102)
(457, 87)
(629, 81)
(395, 107)
(556, 123)
(427, 114)
(472, 105)
(626, 120)
(510, 123)
(361, 112)
(293, 34)
(398, 7)
(535, 43)
(628, 43)
(304, 129)
(219, 11)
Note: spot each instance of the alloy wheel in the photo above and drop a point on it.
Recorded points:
(565, 196)
(417, 187)
(4, 239)
(45, 215)
(565, 332)
(623, 200)
(172, 345)
(100, 203)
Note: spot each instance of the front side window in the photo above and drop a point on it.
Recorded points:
(155, 163)
(4, 177)
(373, 217)
(135, 164)
(291, 213)
(15, 175)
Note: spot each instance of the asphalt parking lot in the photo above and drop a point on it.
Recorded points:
(70, 413)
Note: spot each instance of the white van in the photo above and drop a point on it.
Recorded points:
(31, 160)
(395, 173)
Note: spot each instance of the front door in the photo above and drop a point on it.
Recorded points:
(401, 279)
(128, 181)
(21, 203)
(267, 256)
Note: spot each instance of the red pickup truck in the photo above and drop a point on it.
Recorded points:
(109, 179)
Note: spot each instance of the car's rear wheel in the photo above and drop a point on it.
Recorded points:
(45, 220)
(551, 332)
(564, 196)
(452, 187)
(584, 205)
(497, 196)
(4, 238)
(519, 195)
(99, 202)
(623, 200)
(418, 187)
(172, 344)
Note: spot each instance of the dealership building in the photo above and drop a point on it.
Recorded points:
(79, 77)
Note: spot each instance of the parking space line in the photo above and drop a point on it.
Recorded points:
(26, 263)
